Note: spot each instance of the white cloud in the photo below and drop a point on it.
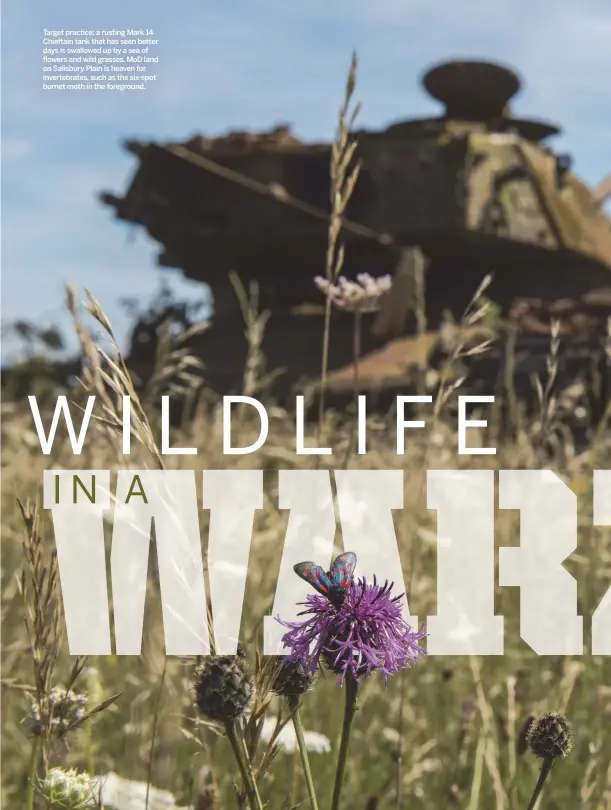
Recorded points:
(16, 148)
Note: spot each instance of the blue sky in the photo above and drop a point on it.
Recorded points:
(250, 64)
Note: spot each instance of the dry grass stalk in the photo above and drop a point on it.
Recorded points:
(545, 394)
(420, 309)
(343, 181)
(491, 748)
(157, 712)
(474, 313)
(175, 365)
(39, 587)
(514, 415)
(266, 671)
(255, 378)
(110, 381)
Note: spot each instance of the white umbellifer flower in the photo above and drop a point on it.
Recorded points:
(69, 790)
(315, 742)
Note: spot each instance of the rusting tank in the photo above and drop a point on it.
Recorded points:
(476, 190)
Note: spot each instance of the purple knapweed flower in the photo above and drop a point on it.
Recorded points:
(360, 296)
(366, 634)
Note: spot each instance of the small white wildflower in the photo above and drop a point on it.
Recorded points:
(363, 295)
(65, 709)
(126, 794)
(287, 740)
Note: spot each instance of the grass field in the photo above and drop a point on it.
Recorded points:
(448, 731)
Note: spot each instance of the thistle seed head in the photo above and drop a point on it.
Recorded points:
(223, 686)
(292, 679)
(550, 736)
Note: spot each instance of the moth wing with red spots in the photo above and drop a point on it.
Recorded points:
(342, 570)
(315, 576)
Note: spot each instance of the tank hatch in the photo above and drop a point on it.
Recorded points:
(480, 92)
